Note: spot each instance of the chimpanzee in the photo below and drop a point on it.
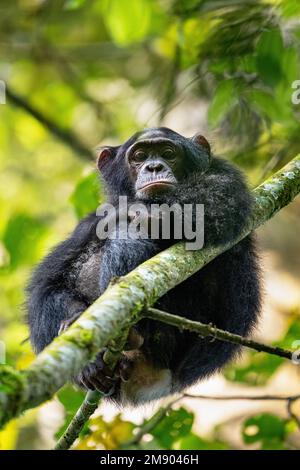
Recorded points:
(156, 165)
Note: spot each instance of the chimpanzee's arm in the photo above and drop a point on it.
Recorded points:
(51, 300)
(120, 256)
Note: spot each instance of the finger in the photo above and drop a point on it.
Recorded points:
(68, 322)
(84, 381)
(109, 381)
(102, 366)
(95, 378)
(97, 384)
(61, 329)
(102, 385)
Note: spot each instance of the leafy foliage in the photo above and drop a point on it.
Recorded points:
(268, 430)
(99, 71)
(177, 424)
(85, 197)
(173, 431)
(106, 435)
(71, 400)
(260, 368)
(21, 238)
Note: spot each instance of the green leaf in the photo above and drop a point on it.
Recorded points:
(261, 367)
(85, 197)
(21, 238)
(103, 434)
(71, 400)
(177, 424)
(73, 4)
(268, 57)
(194, 442)
(127, 22)
(290, 8)
(290, 65)
(293, 334)
(266, 428)
(257, 372)
(224, 99)
(266, 104)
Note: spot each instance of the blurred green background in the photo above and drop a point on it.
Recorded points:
(80, 73)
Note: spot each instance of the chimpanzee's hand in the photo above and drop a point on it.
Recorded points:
(99, 376)
(65, 324)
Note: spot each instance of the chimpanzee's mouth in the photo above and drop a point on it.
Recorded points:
(158, 184)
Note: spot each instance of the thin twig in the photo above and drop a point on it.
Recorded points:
(92, 398)
(290, 411)
(66, 136)
(150, 424)
(210, 330)
(244, 397)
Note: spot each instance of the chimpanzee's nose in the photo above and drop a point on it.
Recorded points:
(154, 167)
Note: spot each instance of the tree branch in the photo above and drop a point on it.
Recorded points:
(290, 411)
(161, 413)
(150, 424)
(209, 330)
(122, 303)
(66, 136)
(92, 398)
(291, 398)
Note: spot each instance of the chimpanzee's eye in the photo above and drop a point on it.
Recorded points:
(168, 154)
(139, 156)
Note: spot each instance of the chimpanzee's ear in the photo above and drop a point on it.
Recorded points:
(104, 154)
(201, 140)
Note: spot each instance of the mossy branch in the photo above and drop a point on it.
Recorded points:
(122, 303)
(92, 398)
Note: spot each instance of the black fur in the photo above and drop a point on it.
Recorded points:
(225, 293)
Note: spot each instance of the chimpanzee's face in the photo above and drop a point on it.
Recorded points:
(155, 164)
(152, 162)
